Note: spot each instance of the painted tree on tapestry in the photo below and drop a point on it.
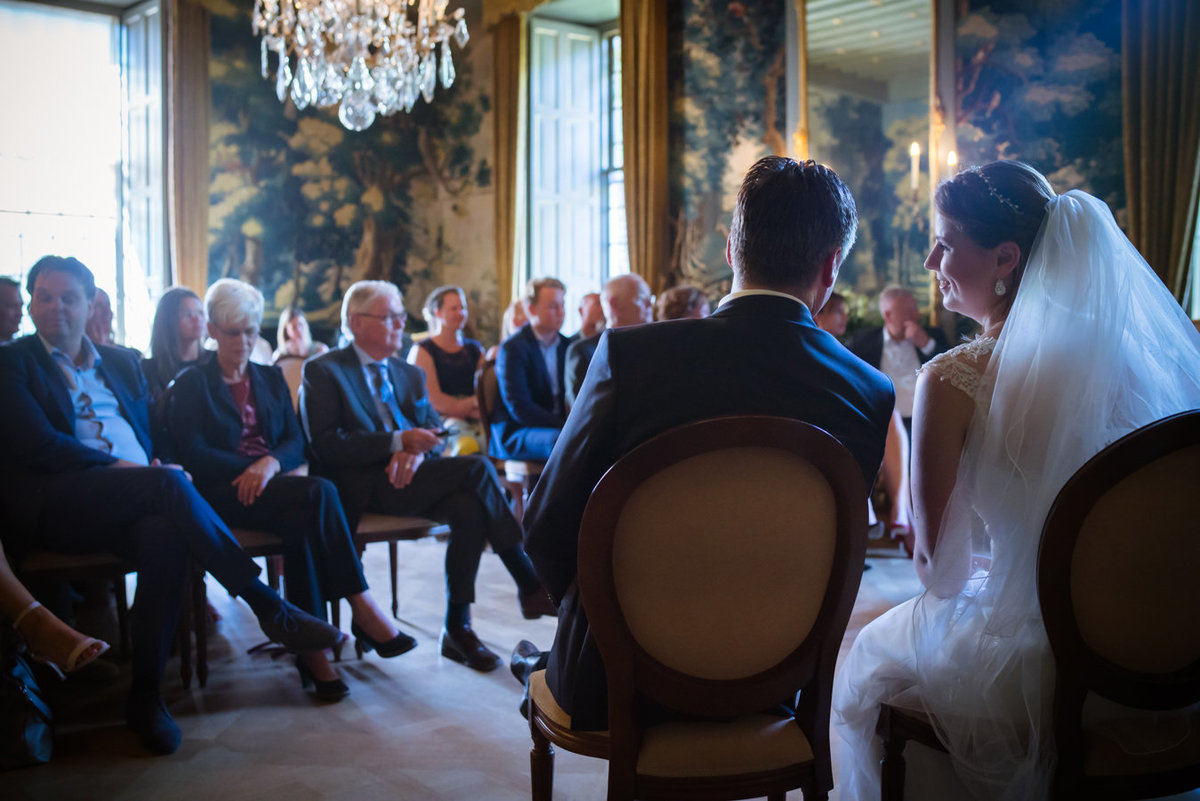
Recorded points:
(302, 207)
(1042, 82)
(727, 85)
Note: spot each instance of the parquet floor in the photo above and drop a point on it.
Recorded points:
(415, 727)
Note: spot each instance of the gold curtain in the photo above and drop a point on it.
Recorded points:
(644, 106)
(511, 67)
(188, 108)
(1161, 74)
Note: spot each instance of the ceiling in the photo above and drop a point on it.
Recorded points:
(582, 12)
(875, 42)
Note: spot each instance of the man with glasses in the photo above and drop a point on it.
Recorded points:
(375, 434)
(79, 476)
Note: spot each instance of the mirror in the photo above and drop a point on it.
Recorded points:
(867, 77)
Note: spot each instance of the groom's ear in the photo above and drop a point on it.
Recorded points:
(830, 268)
(1008, 256)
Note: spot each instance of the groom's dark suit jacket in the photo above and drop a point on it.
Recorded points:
(37, 423)
(756, 355)
(349, 442)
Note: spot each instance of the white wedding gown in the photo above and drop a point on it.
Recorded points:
(1094, 347)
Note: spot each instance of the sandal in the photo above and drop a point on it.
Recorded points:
(84, 651)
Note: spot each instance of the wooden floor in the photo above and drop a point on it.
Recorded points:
(414, 727)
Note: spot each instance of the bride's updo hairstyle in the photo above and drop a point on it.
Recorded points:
(1002, 201)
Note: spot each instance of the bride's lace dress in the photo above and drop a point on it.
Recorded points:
(1094, 347)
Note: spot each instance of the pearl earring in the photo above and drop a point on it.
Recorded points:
(1000, 287)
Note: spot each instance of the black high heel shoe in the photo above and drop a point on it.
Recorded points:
(334, 690)
(365, 643)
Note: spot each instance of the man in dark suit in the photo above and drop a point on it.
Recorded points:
(530, 369)
(900, 346)
(79, 477)
(374, 433)
(626, 300)
(760, 353)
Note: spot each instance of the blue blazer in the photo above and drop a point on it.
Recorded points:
(346, 436)
(37, 422)
(206, 425)
(757, 354)
(527, 397)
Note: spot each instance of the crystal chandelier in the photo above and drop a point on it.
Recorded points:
(367, 57)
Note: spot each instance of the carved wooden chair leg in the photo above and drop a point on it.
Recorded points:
(183, 631)
(893, 769)
(541, 766)
(199, 602)
(392, 560)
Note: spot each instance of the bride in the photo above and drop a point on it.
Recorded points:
(1081, 344)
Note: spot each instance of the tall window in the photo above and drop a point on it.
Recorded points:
(63, 181)
(576, 179)
(616, 240)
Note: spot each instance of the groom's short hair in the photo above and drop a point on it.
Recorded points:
(788, 218)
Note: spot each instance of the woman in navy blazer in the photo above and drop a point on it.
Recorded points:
(235, 430)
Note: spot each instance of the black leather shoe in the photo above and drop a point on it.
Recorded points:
(536, 604)
(365, 643)
(461, 645)
(146, 716)
(526, 658)
(298, 631)
(329, 691)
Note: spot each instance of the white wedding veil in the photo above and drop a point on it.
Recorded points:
(1093, 347)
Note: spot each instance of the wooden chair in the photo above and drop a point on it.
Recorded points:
(372, 528)
(292, 367)
(520, 475)
(50, 566)
(1117, 587)
(718, 564)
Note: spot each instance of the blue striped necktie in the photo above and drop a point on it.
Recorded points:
(383, 389)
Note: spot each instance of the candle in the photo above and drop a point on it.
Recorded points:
(952, 162)
(914, 151)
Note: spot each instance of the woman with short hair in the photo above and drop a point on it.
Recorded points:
(236, 432)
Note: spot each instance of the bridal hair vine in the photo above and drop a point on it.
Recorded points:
(994, 192)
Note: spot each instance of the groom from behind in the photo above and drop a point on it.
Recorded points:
(760, 353)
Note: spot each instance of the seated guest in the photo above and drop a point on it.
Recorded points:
(373, 432)
(295, 337)
(175, 337)
(682, 302)
(514, 317)
(99, 324)
(761, 353)
(627, 301)
(511, 322)
(900, 347)
(529, 369)
(236, 432)
(47, 639)
(10, 308)
(79, 477)
(591, 317)
(449, 362)
(834, 315)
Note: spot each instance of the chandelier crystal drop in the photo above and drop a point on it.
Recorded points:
(368, 57)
